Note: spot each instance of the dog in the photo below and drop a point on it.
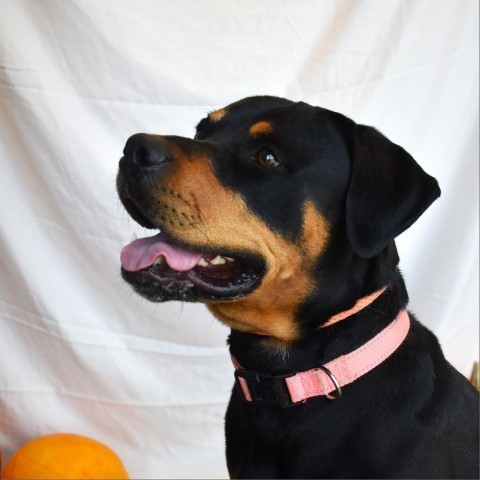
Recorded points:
(281, 218)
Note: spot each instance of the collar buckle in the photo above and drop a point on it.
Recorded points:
(264, 389)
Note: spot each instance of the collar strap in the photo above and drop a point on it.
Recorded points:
(359, 305)
(294, 388)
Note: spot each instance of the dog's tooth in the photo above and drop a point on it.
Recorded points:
(158, 261)
(202, 262)
(134, 237)
(218, 260)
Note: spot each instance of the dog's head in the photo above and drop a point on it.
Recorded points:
(272, 206)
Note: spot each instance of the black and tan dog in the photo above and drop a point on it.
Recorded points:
(281, 217)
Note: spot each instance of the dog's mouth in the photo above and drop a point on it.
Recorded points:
(160, 269)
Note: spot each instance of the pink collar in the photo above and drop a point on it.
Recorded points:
(292, 389)
(359, 305)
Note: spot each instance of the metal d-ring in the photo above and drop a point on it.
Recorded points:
(335, 383)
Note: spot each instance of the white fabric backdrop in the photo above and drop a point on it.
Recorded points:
(78, 351)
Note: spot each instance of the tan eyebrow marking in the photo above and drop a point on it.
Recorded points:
(217, 115)
(260, 128)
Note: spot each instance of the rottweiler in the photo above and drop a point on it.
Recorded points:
(281, 218)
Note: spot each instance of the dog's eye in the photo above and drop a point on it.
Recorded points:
(266, 158)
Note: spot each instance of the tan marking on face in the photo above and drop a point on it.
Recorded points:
(260, 128)
(219, 218)
(315, 232)
(217, 115)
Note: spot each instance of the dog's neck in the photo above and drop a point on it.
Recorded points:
(322, 345)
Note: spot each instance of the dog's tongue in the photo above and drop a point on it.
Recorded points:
(143, 252)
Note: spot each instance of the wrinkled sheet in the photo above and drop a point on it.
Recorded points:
(79, 352)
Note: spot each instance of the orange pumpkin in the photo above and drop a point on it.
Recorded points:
(64, 456)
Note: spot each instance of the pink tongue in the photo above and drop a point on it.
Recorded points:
(143, 252)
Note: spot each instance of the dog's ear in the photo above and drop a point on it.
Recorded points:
(388, 191)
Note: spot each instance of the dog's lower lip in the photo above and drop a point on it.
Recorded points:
(159, 283)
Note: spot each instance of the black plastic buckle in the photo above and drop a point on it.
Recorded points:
(266, 389)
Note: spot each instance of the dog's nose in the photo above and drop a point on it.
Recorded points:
(143, 150)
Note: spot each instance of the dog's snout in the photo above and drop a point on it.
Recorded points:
(143, 150)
